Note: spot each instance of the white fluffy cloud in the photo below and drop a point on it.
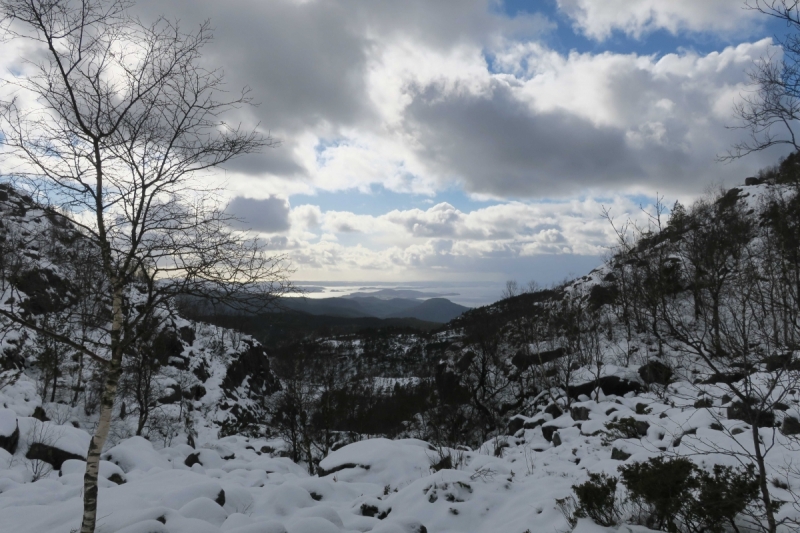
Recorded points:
(442, 239)
(598, 18)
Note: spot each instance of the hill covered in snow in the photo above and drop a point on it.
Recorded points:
(546, 411)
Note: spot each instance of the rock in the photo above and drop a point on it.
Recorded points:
(548, 431)
(580, 413)
(193, 459)
(655, 372)
(641, 427)
(39, 414)
(252, 363)
(703, 403)
(187, 335)
(790, 426)
(167, 344)
(524, 360)
(51, 454)
(727, 378)
(556, 439)
(752, 181)
(47, 292)
(641, 409)
(534, 423)
(9, 430)
(553, 410)
(610, 385)
(515, 424)
(174, 395)
(601, 295)
(195, 393)
(739, 411)
(619, 455)
(116, 478)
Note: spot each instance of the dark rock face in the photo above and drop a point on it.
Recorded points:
(548, 432)
(193, 459)
(252, 363)
(187, 335)
(167, 344)
(515, 424)
(9, 442)
(746, 413)
(174, 395)
(752, 181)
(641, 427)
(727, 378)
(116, 478)
(619, 455)
(655, 372)
(51, 454)
(553, 410)
(702, 402)
(608, 384)
(47, 292)
(790, 426)
(601, 295)
(524, 360)
(580, 413)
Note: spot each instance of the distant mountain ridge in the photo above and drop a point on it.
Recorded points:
(440, 310)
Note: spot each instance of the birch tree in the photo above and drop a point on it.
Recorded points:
(117, 124)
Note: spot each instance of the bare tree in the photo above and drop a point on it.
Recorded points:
(771, 111)
(125, 122)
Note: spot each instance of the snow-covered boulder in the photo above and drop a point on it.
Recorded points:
(9, 430)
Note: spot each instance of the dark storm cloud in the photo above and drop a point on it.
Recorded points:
(270, 215)
(497, 145)
(306, 62)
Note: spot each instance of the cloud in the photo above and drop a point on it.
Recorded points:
(268, 215)
(597, 19)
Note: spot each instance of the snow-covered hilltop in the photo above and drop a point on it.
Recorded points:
(546, 411)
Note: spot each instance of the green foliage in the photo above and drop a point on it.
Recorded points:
(624, 428)
(597, 500)
(723, 494)
(669, 495)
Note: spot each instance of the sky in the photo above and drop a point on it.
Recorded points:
(475, 140)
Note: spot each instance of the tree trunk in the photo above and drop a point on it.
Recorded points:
(90, 489)
(766, 499)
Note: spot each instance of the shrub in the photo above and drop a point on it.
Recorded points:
(597, 499)
(722, 495)
(661, 490)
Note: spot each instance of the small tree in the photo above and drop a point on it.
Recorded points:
(125, 122)
(770, 113)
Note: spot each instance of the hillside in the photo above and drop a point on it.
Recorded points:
(684, 347)
(438, 310)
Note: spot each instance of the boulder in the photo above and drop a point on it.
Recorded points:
(580, 413)
(655, 372)
(553, 410)
(252, 363)
(739, 411)
(610, 385)
(752, 181)
(619, 455)
(173, 395)
(9, 430)
(50, 454)
(790, 426)
(548, 431)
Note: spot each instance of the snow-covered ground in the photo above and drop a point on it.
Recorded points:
(241, 485)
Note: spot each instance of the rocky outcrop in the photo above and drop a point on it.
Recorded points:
(51, 454)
